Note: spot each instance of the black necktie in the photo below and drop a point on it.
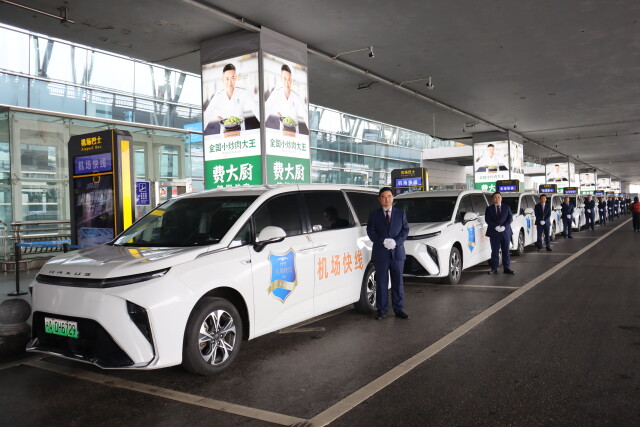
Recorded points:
(388, 218)
(498, 209)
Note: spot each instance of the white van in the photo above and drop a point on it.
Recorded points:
(190, 280)
(523, 226)
(447, 232)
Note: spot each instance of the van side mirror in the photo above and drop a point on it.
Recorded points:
(269, 234)
(469, 216)
(528, 211)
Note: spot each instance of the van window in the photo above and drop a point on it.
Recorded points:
(512, 201)
(464, 207)
(479, 203)
(427, 209)
(327, 210)
(363, 204)
(280, 211)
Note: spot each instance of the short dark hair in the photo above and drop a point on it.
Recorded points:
(383, 189)
(543, 195)
(491, 145)
(228, 67)
(286, 68)
(497, 192)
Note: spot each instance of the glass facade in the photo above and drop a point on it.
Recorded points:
(88, 90)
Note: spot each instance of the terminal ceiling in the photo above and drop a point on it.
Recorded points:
(563, 74)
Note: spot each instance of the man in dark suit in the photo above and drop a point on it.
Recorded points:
(499, 218)
(610, 208)
(602, 210)
(567, 213)
(616, 207)
(590, 212)
(542, 212)
(388, 229)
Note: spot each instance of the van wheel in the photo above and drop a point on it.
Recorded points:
(367, 302)
(552, 237)
(455, 267)
(520, 249)
(212, 338)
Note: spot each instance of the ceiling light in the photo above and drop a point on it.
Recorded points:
(370, 49)
(429, 84)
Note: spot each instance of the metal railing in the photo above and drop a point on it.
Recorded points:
(37, 231)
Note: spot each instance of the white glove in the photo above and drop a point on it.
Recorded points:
(588, 210)
(498, 229)
(389, 244)
(542, 222)
(569, 216)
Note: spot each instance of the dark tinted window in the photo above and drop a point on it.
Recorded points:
(363, 204)
(193, 221)
(531, 201)
(280, 211)
(427, 209)
(479, 203)
(327, 210)
(464, 207)
(512, 201)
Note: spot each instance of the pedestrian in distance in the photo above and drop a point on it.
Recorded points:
(590, 212)
(602, 211)
(567, 213)
(635, 212)
(388, 228)
(542, 211)
(616, 207)
(610, 208)
(499, 218)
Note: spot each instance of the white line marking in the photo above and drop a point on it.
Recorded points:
(178, 396)
(354, 399)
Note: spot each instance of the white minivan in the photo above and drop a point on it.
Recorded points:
(523, 226)
(190, 280)
(447, 232)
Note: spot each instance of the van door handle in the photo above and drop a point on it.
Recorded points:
(320, 247)
(306, 250)
(245, 261)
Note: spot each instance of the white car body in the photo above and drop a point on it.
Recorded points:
(578, 219)
(430, 242)
(108, 290)
(523, 226)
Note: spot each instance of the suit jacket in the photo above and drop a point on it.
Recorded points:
(602, 206)
(492, 220)
(378, 230)
(590, 205)
(543, 216)
(567, 209)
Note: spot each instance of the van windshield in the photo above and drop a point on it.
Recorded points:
(183, 222)
(427, 209)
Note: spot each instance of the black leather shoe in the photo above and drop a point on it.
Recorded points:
(403, 315)
(493, 272)
(549, 249)
(539, 249)
(571, 237)
(508, 271)
(380, 316)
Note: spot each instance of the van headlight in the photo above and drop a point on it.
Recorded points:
(82, 282)
(424, 236)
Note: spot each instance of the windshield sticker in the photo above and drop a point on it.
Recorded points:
(283, 274)
(472, 238)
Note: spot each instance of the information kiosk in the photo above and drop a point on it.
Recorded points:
(101, 186)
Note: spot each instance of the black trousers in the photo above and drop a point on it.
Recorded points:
(636, 221)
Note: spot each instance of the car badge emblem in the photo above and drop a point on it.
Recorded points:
(472, 238)
(283, 274)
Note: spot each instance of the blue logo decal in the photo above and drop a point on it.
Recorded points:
(283, 274)
(528, 225)
(472, 238)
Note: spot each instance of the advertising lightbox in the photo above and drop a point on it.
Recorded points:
(604, 184)
(286, 121)
(490, 164)
(588, 182)
(231, 122)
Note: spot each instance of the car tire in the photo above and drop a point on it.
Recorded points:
(367, 302)
(552, 236)
(520, 248)
(455, 267)
(219, 324)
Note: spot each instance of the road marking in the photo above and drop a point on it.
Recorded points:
(218, 405)
(356, 398)
(485, 286)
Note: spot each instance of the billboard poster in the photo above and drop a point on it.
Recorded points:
(615, 186)
(588, 182)
(490, 163)
(231, 122)
(516, 154)
(93, 209)
(604, 184)
(286, 121)
(558, 173)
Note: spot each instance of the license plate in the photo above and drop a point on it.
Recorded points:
(66, 328)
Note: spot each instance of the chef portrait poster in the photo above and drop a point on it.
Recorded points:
(557, 173)
(604, 184)
(490, 163)
(517, 161)
(286, 115)
(588, 181)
